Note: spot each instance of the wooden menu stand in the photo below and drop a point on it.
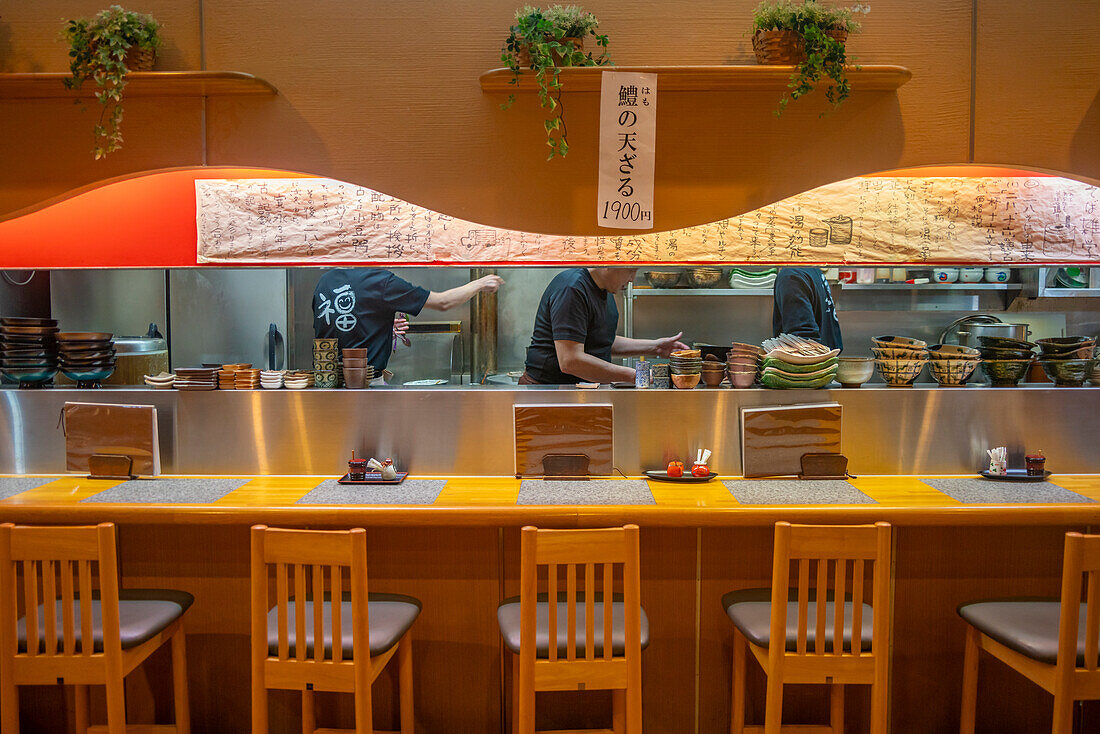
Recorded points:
(824, 466)
(110, 466)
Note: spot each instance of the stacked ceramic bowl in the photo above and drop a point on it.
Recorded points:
(196, 378)
(662, 279)
(324, 362)
(899, 359)
(297, 380)
(685, 368)
(1068, 360)
(271, 379)
(714, 371)
(854, 371)
(741, 278)
(703, 277)
(742, 364)
(162, 381)
(1005, 361)
(952, 365)
(86, 357)
(28, 350)
(796, 363)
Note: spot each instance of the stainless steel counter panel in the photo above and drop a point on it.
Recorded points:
(468, 431)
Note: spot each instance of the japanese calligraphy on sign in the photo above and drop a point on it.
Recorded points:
(859, 220)
(628, 131)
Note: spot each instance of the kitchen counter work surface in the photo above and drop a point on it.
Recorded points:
(479, 501)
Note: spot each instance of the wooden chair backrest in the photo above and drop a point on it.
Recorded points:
(846, 548)
(310, 563)
(582, 553)
(38, 556)
(1081, 561)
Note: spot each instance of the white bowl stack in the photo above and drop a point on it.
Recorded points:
(271, 379)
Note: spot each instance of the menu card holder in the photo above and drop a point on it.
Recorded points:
(111, 430)
(110, 466)
(565, 466)
(824, 466)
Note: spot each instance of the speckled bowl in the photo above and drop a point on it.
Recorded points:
(1068, 372)
(854, 371)
(1005, 372)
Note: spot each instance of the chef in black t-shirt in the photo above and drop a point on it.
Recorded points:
(574, 337)
(804, 307)
(358, 306)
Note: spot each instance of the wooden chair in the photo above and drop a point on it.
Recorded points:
(47, 645)
(599, 645)
(814, 619)
(357, 636)
(1055, 644)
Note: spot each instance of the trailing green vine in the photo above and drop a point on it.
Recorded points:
(543, 41)
(97, 51)
(825, 55)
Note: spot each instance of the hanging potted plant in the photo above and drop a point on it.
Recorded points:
(105, 49)
(543, 41)
(811, 36)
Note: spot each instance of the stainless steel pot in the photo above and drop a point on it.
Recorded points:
(968, 335)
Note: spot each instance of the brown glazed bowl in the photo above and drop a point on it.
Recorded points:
(713, 378)
(357, 378)
(355, 352)
(742, 380)
(355, 362)
(686, 382)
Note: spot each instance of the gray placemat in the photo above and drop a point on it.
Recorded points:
(11, 486)
(409, 492)
(990, 491)
(591, 492)
(796, 492)
(162, 490)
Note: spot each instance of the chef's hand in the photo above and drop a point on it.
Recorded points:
(665, 345)
(400, 324)
(489, 284)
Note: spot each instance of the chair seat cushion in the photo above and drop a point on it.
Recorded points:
(142, 615)
(1027, 625)
(508, 616)
(750, 610)
(390, 617)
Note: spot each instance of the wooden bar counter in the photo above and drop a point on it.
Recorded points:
(460, 555)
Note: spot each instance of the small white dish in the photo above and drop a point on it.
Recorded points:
(997, 275)
(971, 275)
(945, 275)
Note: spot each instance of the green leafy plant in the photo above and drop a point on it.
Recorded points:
(543, 41)
(97, 51)
(825, 55)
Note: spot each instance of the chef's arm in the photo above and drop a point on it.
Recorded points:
(446, 300)
(626, 347)
(573, 360)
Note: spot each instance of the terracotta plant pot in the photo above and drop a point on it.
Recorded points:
(774, 48)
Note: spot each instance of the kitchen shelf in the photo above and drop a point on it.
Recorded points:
(1053, 292)
(931, 287)
(138, 84)
(639, 292)
(722, 78)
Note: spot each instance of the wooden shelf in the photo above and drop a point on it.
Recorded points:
(139, 84)
(697, 78)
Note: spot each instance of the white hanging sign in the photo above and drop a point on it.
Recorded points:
(628, 133)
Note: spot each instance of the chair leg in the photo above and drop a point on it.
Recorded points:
(405, 683)
(880, 700)
(737, 704)
(836, 707)
(515, 694)
(259, 704)
(634, 708)
(309, 713)
(116, 701)
(1063, 712)
(80, 709)
(618, 710)
(179, 683)
(9, 706)
(525, 708)
(970, 683)
(773, 704)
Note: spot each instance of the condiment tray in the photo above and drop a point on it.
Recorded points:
(1016, 475)
(373, 477)
(662, 476)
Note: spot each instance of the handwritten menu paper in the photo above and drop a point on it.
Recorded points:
(628, 133)
(859, 220)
